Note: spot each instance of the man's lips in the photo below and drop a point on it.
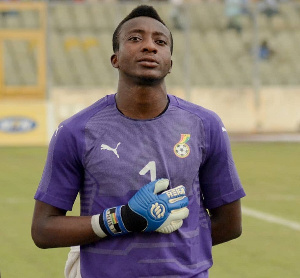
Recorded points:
(148, 62)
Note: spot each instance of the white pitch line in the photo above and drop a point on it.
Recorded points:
(271, 218)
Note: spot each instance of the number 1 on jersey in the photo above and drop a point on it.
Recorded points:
(151, 166)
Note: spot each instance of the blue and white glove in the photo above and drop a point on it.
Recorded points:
(164, 212)
(146, 211)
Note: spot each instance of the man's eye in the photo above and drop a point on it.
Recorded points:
(134, 38)
(161, 42)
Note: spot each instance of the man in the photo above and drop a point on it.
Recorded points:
(110, 152)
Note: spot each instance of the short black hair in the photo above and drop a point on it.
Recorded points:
(142, 10)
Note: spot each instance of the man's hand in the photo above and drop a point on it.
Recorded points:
(146, 211)
(164, 212)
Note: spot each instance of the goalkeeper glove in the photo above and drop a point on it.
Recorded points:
(146, 211)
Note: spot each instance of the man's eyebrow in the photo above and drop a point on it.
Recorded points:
(136, 31)
(157, 33)
(160, 34)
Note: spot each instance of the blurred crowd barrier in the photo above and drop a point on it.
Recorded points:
(239, 58)
(278, 111)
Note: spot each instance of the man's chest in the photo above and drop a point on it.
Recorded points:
(126, 159)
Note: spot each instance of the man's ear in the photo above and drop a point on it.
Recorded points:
(170, 69)
(114, 60)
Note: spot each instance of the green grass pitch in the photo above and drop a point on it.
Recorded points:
(271, 177)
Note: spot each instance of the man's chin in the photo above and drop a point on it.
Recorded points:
(150, 79)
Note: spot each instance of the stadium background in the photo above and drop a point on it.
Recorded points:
(54, 61)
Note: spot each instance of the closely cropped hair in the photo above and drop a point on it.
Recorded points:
(142, 10)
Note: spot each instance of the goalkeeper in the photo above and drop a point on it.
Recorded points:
(157, 183)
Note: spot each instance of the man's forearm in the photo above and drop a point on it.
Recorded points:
(64, 231)
(222, 232)
(226, 222)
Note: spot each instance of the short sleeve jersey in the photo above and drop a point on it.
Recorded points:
(107, 157)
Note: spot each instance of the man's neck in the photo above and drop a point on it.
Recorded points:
(142, 102)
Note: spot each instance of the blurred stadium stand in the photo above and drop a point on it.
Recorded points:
(224, 65)
(79, 45)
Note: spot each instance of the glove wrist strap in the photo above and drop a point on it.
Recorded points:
(98, 230)
(113, 222)
(116, 221)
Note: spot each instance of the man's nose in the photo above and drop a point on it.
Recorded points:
(149, 46)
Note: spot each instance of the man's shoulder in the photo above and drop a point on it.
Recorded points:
(82, 117)
(199, 111)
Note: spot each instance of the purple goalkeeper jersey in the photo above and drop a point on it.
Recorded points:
(107, 157)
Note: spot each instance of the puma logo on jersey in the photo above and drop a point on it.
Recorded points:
(108, 148)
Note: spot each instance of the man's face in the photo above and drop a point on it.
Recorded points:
(144, 50)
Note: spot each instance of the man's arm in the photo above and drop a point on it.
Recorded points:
(226, 222)
(152, 208)
(52, 228)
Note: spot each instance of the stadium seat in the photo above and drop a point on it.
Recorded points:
(245, 65)
(294, 21)
(25, 61)
(165, 9)
(81, 18)
(12, 76)
(217, 12)
(200, 61)
(296, 36)
(193, 20)
(108, 75)
(77, 58)
(61, 70)
(101, 16)
(286, 74)
(30, 19)
(268, 75)
(96, 60)
(247, 23)
(285, 47)
(62, 17)
(211, 54)
(12, 20)
(263, 22)
(177, 76)
(291, 14)
(232, 43)
(2, 21)
(278, 23)
(124, 8)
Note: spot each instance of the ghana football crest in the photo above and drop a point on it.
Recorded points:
(182, 149)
